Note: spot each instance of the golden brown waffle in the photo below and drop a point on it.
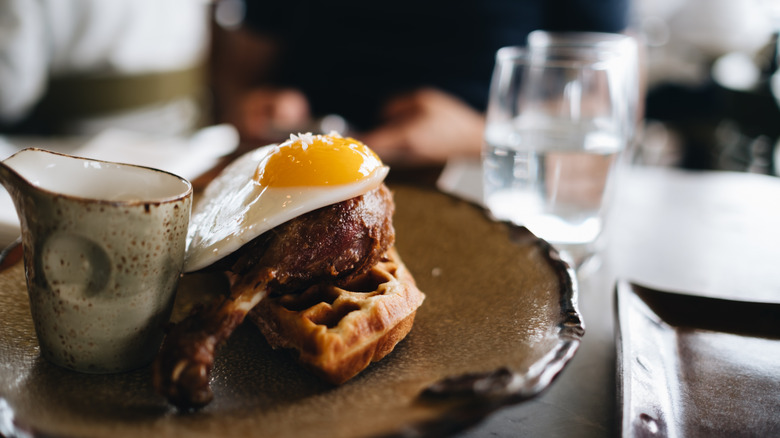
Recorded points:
(338, 331)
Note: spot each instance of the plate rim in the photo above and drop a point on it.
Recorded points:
(482, 394)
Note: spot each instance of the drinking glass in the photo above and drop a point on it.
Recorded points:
(622, 46)
(556, 124)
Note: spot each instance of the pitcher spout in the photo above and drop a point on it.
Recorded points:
(15, 182)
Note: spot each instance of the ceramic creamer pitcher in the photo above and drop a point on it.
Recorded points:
(103, 251)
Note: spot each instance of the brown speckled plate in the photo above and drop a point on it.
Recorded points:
(694, 366)
(499, 323)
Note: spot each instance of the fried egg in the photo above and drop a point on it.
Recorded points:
(273, 184)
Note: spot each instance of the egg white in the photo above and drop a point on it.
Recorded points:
(234, 209)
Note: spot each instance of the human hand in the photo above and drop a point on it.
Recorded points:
(267, 113)
(426, 126)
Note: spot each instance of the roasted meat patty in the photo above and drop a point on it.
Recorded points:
(330, 245)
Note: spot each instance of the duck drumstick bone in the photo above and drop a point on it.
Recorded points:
(331, 244)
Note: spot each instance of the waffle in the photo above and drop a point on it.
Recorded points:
(336, 332)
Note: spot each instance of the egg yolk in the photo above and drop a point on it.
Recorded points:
(317, 160)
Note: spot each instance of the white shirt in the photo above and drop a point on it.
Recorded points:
(40, 39)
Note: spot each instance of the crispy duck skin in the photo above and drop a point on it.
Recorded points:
(331, 244)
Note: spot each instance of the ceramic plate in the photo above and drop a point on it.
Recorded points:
(499, 323)
(696, 366)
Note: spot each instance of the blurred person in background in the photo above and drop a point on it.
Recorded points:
(77, 67)
(410, 78)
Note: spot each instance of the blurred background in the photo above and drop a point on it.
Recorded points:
(712, 95)
(712, 81)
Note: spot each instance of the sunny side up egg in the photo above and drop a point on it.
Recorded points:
(273, 184)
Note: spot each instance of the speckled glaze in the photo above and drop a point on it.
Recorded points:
(103, 251)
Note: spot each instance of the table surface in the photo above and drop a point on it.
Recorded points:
(707, 233)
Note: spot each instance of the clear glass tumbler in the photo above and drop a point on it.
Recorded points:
(556, 124)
